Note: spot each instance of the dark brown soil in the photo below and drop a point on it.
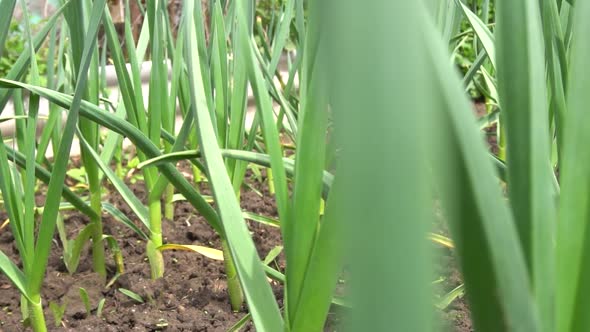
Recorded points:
(192, 295)
(490, 132)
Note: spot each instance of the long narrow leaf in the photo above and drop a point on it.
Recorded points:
(481, 30)
(15, 275)
(134, 203)
(6, 10)
(253, 157)
(301, 233)
(523, 100)
(479, 216)
(20, 66)
(49, 218)
(573, 239)
(261, 301)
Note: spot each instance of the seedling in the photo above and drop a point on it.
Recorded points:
(451, 296)
(132, 295)
(86, 300)
(58, 312)
(100, 307)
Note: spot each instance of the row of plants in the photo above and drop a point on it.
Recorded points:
(384, 136)
(209, 87)
(517, 218)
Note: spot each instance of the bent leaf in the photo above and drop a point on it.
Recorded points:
(215, 254)
(14, 274)
(442, 240)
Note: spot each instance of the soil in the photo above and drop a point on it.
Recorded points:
(192, 295)
(490, 132)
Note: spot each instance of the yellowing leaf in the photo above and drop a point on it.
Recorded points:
(205, 251)
(442, 240)
(4, 224)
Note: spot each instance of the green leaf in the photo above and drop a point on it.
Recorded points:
(142, 143)
(6, 10)
(13, 274)
(121, 217)
(12, 200)
(265, 109)
(44, 175)
(219, 69)
(261, 219)
(381, 200)
(272, 254)
(85, 300)
(72, 257)
(253, 157)
(261, 301)
(20, 66)
(117, 254)
(323, 269)
(58, 312)
(240, 323)
(46, 229)
(100, 307)
(132, 295)
(309, 244)
(482, 32)
(523, 100)
(573, 237)
(128, 196)
(496, 279)
(451, 296)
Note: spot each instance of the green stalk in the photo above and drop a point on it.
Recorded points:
(175, 94)
(256, 289)
(27, 248)
(36, 316)
(158, 113)
(168, 203)
(76, 18)
(271, 185)
(90, 133)
(118, 156)
(155, 219)
(501, 140)
(34, 245)
(197, 176)
(236, 294)
(98, 255)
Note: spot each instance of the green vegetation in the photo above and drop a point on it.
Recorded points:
(15, 46)
(383, 138)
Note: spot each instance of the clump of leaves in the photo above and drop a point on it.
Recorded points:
(15, 46)
(268, 12)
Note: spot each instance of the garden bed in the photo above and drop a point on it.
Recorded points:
(192, 295)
